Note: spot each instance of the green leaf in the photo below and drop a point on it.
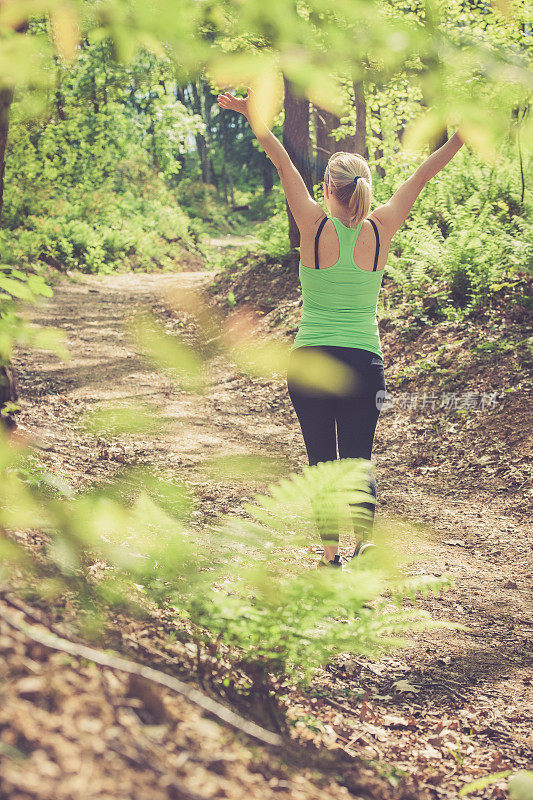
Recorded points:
(53, 339)
(39, 286)
(521, 785)
(128, 417)
(168, 352)
(482, 783)
(16, 288)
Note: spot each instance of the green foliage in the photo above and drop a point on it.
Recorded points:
(96, 230)
(482, 65)
(99, 175)
(239, 585)
(274, 236)
(207, 215)
(520, 784)
(118, 130)
(482, 783)
(462, 232)
(287, 621)
(261, 206)
(16, 285)
(92, 187)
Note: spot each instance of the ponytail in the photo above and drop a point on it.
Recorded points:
(342, 172)
(359, 203)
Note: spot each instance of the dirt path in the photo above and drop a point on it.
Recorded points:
(467, 712)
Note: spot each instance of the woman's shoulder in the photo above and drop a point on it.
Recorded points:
(310, 227)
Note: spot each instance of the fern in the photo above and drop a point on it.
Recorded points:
(466, 229)
(286, 619)
(239, 583)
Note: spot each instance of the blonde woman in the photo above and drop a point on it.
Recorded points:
(342, 260)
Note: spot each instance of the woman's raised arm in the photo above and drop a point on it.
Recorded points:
(394, 213)
(305, 210)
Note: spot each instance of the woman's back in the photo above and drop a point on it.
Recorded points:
(364, 249)
(340, 299)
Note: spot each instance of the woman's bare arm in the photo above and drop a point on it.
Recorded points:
(394, 213)
(305, 210)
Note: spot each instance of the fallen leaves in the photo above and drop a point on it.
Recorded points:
(404, 686)
(392, 721)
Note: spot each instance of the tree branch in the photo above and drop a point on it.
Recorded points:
(217, 710)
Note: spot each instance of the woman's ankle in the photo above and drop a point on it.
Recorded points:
(331, 551)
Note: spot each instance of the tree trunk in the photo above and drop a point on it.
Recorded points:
(59, 99)
(378, 152)
(6, 98)
(8, 394)
(296, 141)
(326, 145)
(201, 142)
(268, 175)
(224, 180)
(431, 62)
(326, 123)
(214, 177)
(227, 180)
(231, 190)
(360, 119)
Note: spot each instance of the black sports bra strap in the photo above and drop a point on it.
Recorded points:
(319, 231)
(377, 243)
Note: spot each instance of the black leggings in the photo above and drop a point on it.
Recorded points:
(354, 413)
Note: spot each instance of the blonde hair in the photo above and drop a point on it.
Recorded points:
(339, 176)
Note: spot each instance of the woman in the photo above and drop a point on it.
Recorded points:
(342, 260)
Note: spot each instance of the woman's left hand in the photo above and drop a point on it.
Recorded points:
(240, 104)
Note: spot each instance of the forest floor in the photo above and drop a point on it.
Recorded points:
(454, 707)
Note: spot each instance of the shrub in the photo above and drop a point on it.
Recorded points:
(261, 206)
(466, 228)
(289, 621)
(239, 586)
(274, 236)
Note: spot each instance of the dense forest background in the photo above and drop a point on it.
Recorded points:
(121, 164)
(155, 507)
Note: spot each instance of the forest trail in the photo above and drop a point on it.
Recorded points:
(455, 706)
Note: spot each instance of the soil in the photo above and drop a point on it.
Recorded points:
(452, 483)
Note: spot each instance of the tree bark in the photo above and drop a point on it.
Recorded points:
(442, 137)
(6, 98)
(59, 99)
(326, 145)
(201, 142)
(224, 180)
(360, 119)
(8, 394)
(378, 152)
(268, 175)
(296, 141)
(231, 190)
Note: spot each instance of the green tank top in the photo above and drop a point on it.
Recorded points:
(339, 302)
